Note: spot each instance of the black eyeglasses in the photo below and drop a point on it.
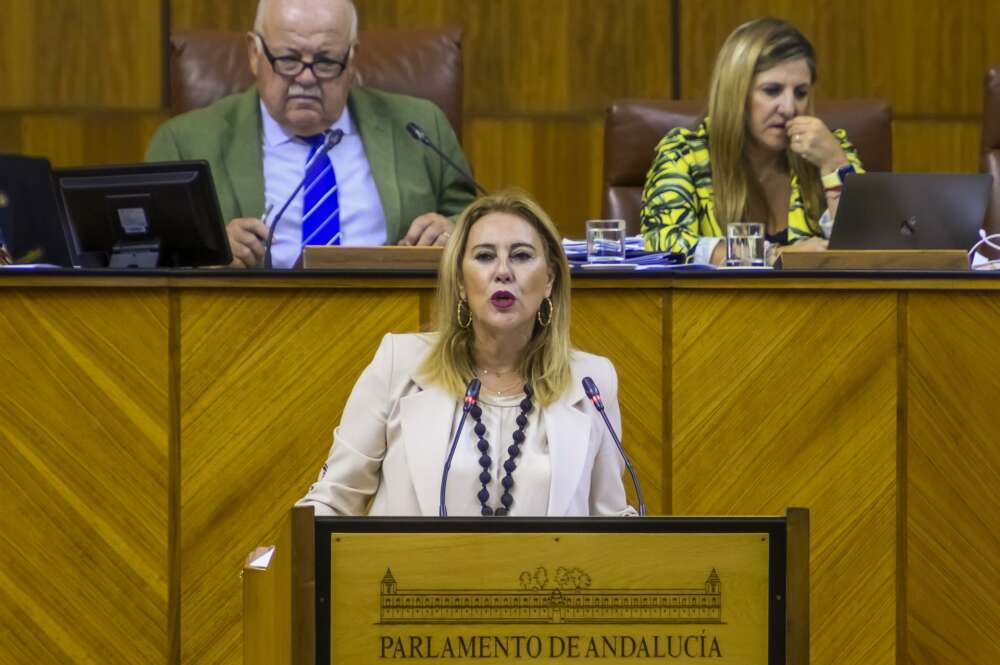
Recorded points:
(291, 66)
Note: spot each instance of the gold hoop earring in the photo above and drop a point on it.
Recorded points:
(458, 314)
(550, 310)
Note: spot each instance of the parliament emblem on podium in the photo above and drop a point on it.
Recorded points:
(568, 597)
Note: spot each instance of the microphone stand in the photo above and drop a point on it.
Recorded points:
(471, 397)
(420, 135)
(590, 388)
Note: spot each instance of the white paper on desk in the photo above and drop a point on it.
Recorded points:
(29, 266)
(263, 560)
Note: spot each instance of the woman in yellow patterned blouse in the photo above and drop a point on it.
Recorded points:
(759, 156)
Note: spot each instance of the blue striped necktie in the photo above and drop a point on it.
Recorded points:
(320, 205)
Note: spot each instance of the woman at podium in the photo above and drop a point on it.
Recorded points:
(759, 156)
(534, 444)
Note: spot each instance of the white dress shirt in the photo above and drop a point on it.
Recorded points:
(532, 476)
(362, 220)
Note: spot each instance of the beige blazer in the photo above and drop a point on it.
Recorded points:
(388, 451)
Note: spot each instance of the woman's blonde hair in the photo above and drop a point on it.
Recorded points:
(545, 364)
(752, 48)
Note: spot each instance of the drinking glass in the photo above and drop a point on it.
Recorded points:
(745, 245)
(605, 240)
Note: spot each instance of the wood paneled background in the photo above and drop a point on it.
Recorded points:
(83, 80)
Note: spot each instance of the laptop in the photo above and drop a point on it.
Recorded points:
(911, 211)
(32, 224)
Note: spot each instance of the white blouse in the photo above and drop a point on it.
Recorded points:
(532, 476)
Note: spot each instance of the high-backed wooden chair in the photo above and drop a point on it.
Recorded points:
(633, 127)
(205, 66)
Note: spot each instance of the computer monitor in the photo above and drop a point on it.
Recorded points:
(31, 224)
(911, 211)
(145, 215)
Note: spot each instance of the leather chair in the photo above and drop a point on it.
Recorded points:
(990, 158)
(205, 66)
(633, 127)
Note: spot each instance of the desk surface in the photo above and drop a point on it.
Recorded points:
(628, 279)
(162, 423)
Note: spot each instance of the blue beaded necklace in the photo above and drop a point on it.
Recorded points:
(513, 451)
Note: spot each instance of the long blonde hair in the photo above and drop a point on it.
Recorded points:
(545, 363)
(752, 48)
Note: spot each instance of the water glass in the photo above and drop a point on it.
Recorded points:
(745, 245)
(605, 240)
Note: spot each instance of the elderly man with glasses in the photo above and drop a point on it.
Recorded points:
(374, 187)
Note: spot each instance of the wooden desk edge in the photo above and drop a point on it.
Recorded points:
(714, 281)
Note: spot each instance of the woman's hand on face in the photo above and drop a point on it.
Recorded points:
(811, 139)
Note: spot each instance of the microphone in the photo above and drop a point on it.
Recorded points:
(332, 139)
(471, 397)
(420, 135)
(594, 394)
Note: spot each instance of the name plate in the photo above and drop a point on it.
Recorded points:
(390, 258)
(550, 597)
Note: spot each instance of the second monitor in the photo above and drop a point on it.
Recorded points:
(145, 215)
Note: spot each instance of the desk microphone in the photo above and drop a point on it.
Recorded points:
(471, 397)
(420, 135)
(332, 139)
(594, 394)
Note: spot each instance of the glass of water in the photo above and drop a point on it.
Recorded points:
(605, 240)
(745, 245)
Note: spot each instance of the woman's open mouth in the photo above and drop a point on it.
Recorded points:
(503, 299)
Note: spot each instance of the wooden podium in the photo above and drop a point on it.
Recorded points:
(354, 591)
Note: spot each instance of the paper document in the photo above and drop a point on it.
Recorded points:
(262, 560)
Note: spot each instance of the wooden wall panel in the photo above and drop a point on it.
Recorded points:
(82, 80)
(559, 161)
(71, 139)
(936, 146)
(73, 54)
(10, 133)
(233, 15)
(632, 335)
(263, 383)
(938, 55)
(84, 487)
(927, 57)
(590, 51)
(841, 53)
(953, 505)
(756, 381)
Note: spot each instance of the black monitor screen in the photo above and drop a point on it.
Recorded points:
(31, 223)
(145, 215)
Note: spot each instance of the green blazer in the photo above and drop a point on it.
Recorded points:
(410, 178)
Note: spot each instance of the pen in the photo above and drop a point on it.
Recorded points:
(267, 213)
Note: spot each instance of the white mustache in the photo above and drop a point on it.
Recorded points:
(297, 90)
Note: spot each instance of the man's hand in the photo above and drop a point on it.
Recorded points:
(428, 229)
(247, 236)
